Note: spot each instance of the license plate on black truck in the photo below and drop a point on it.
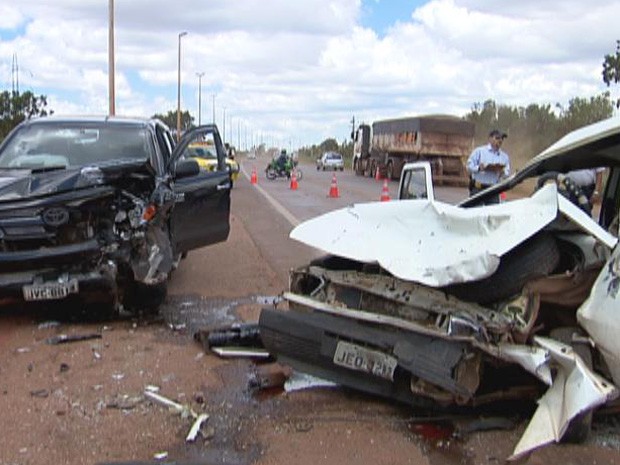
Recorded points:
(50, 290)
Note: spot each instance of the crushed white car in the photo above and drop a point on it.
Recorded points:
(443, 306)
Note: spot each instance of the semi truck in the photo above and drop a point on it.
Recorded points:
(385, 146)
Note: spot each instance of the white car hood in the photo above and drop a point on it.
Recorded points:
(431, 243)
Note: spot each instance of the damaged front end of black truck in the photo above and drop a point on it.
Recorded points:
(86, 211)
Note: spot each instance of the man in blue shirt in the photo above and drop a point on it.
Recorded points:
(488, 164)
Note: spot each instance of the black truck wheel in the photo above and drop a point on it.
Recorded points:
(390, 171)
(536, 257)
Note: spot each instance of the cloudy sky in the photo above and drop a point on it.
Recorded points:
(294, 72)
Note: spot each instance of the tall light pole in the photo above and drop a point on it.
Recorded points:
(111, 85)
(181, 34)
(213, 107)
(224, 125)
(200, 75)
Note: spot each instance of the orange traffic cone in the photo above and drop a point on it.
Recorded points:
(294, 184)
(385, 192)
(254, 178)
(333, 190)
(377, 174)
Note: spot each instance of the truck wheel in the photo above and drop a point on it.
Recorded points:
(367, 170)
(390, 171)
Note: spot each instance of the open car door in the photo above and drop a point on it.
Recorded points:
(202, 197)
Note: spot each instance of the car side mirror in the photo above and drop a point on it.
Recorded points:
(186, 168)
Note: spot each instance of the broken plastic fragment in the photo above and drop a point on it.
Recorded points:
(193, 432)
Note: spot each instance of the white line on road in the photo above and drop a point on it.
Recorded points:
(277, 205)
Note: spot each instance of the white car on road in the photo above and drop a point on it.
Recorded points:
(331, 161)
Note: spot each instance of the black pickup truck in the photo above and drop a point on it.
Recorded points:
(101, 209)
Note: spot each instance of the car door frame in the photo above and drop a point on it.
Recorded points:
(201, 212)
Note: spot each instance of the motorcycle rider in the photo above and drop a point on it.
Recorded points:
(282, 163)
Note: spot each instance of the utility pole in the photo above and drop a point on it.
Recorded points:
(181, 34)
(224, 125)
(213, 120)
(200, 75)
(111, 67)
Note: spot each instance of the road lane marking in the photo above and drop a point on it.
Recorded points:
(277, 205)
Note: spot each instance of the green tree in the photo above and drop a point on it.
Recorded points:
(329, 145)
(16, 107)
(170, 120)
(611, 69)
(582, 111)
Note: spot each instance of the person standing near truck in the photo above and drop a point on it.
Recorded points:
(589, 181)
(488, 164)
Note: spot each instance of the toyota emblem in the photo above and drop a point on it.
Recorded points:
(55, 216)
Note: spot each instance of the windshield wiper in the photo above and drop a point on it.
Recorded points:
(44, 169)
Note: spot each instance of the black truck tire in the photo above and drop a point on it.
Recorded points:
(536, 257)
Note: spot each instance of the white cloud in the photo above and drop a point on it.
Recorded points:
(10, 17)
(300, 70)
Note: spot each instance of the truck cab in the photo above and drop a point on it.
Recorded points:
(361, 150)
(416, 182)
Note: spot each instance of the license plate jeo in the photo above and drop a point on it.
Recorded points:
(361, 359)
(50, 290)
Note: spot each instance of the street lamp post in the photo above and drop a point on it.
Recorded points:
(213, 107)
(181, 34)
(224, 125)
(200, 75)
(111, 91)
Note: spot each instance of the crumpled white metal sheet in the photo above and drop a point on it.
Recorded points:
(599, 315)
(575, 389)
(431, 243)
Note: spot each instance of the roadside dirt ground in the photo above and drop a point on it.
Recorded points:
(83, 403)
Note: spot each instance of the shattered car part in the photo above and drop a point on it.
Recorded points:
(100, 208)
(243, 352)
(65, 338)
(402, 305)
(237, 334)
(195, 429)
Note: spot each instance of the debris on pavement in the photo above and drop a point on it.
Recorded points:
(66, 338)
(160, 455)
(269, 377)
(230, 352)
(125, 402)
(41, 393)
(236, 340)
(238, 334)
(299, 381)
(184, 410)
(195, 429)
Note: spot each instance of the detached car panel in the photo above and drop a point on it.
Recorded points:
(455, 306)
(98, 207)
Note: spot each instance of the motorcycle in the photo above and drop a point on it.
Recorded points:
(274, 171)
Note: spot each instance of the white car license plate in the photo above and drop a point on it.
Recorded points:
(370, 361)
(50, 291)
